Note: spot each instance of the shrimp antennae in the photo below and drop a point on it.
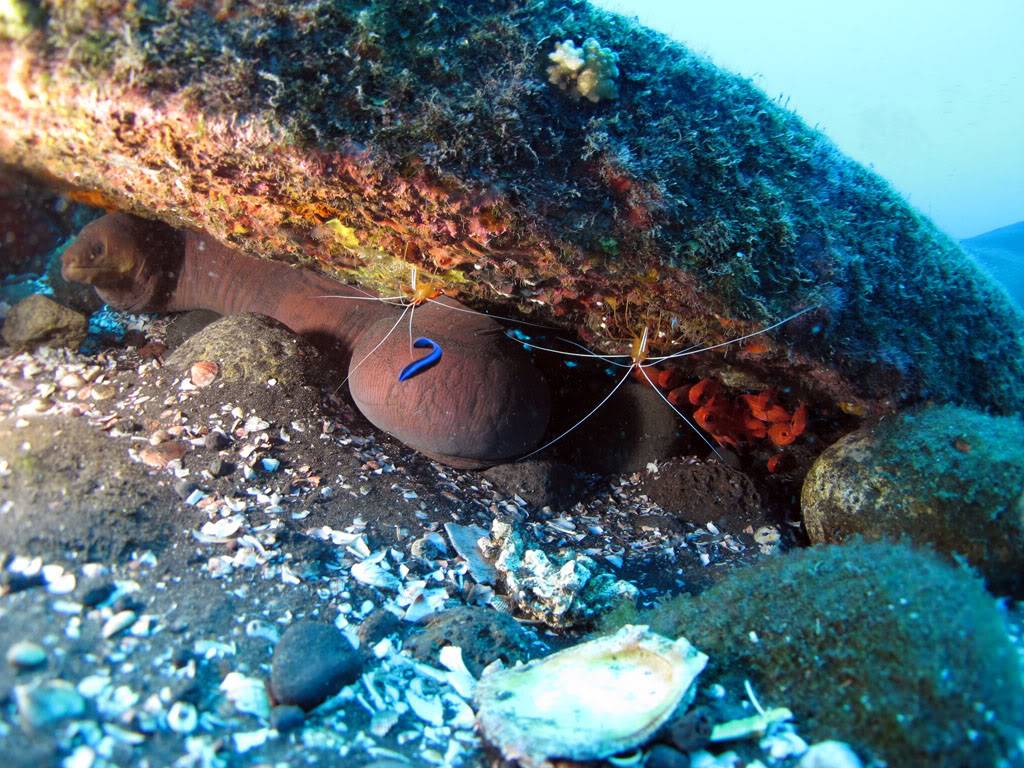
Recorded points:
(594, 410)
(679, 413)
(491, 314)
(368, 355)
(693, 350)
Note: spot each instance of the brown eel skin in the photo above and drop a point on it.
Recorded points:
(484, 403)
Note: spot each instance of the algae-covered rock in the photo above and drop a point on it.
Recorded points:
(253, 349)
(383, 133)
(887, 647)
(944, 476)
(40, 321)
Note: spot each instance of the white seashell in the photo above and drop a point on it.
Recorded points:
(464, 540)
(590, 701)
(248, 694)
(118, 623)
(370, 572)
(182, 717)
(459, 677)
(430, 710)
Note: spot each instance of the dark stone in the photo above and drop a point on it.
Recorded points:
(539, 483)
(221, 467)
(483, 634)
(312, 662)
(690, 731)
(706, 492)
(95, 592)
(216, 441)
(377, 626)
(185, 487)
(16, 581)
(287, 717)
(634, 428)
(664, 756)
(128, 603)
(181, 656)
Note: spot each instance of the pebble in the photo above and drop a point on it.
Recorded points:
(26, 655)
(118, 623)
(287, 717)
(312, 662)
(216, 441)
(690, 731)
(47, 703)
(95, 592)
(185, 487)
(221, 467)
(377, 626)
(664, 756)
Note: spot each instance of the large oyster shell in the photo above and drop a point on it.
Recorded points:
(589, 701)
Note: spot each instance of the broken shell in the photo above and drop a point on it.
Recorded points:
(589, 701)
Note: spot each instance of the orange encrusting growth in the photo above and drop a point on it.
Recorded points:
(735, 420)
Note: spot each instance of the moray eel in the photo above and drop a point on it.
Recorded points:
(484, 403)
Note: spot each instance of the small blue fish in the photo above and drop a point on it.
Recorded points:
(418, 366)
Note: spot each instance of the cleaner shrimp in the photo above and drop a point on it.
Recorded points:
(637, 362)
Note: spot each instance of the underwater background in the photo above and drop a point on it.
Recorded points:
(716, 459)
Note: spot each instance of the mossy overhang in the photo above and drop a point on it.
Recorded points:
(365, 136)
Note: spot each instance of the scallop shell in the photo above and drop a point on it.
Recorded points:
(589, 701)
(203, 372)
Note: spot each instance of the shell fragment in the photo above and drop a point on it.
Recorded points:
(590, 701)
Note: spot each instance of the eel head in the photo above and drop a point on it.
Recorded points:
(132, 263)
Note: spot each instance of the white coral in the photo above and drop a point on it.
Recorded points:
(589, 71)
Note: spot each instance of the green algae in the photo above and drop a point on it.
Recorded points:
(878, 644)
(690, 168)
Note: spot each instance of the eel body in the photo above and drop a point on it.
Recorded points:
(482, 404)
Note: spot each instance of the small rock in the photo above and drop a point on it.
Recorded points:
(705, 492)
(93, 592)
(220, 467)
(185, 487)
(539, 483)
(664, 756)
(16, 581)
(118, 623)
(251, 348)
(40, 321)
(377, 626)
(48, 703)
(26, 655)
(133, 337)
(829, 754)
(690, 731)
(216, 441)
(483, 634)
(287, 717)
(312, 662)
